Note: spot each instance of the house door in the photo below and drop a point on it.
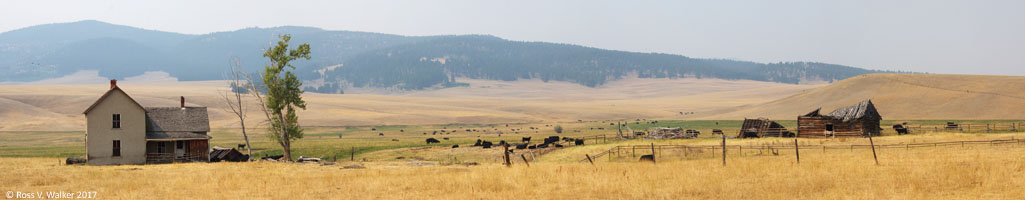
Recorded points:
(179, 148)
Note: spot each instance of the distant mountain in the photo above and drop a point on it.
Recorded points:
(344, 59)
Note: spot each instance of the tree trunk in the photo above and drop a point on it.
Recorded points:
(285, 144)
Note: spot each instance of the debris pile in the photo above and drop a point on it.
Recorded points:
(670, 133)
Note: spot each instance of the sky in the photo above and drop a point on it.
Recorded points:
(934, 36)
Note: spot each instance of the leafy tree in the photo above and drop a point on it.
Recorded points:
(558, 128)
(284, 94)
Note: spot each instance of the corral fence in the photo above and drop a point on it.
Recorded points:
(967, 128)
(776, 148)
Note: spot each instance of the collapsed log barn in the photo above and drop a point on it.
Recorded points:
(762, 127)
(857, 120)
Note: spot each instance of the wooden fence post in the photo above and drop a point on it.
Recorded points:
(873, 148)
(652, 152)
(724, 150)
(525, 160)
(589, 159)
(352, 154)
(634, 150)
(507, 161)
(797, 151)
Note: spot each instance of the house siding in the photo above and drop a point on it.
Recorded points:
(100, 134)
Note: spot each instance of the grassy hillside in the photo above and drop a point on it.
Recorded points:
(903, 96)
(59, 107)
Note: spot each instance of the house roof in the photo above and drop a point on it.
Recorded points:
(177, 119)
(105, 95)
(171, 136)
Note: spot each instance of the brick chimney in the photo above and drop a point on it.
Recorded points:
(183, 101)
(113, 83)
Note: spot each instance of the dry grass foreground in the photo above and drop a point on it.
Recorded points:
(905, 97)
(979, 173)
(37, 107)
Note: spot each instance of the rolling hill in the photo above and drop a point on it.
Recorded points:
(903, 97)
(348, 60)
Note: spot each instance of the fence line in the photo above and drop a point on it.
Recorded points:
(632, 149)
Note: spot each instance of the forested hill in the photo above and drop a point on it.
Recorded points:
(344, 59)
(437, 61)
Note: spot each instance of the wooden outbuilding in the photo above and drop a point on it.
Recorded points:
(762, 127)
(857, 120)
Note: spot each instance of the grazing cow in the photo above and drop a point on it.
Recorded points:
(900, 129)
(542, 146)
(648, 158)
(425, 133)
(486, 144)
(402, 131)
(444, 138)
(432, 140)
(373, 129)
(612, 124)
(558, 146)
(478, 142)
(380, 134)
(552, 139)
(532, 147)
(526, 139)
(579, 142)
(455, 146)
(394, 140)
(521, 146)
(240, 146)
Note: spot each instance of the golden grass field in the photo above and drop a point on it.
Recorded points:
(36, 107)
(978, 172)
(42, 124)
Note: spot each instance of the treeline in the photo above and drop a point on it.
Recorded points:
(435, 62)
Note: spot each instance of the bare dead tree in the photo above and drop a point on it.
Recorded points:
(233, 98)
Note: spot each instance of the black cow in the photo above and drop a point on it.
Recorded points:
(521, 146)
(380, 134)
(552, 139)
(526, 139)
(432, 140)
(558, 146)
(648, 158)
(478, 142)
(486, 144)
(542, 145)
(455, 146)
(394, 140)
(900, 129)
(532, 147)
(444, 138)
(579, 142)
(501, 142)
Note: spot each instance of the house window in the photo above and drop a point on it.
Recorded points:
(829, 127)
(181, 145)
(161, 147)
(117, 121)
(117, 148)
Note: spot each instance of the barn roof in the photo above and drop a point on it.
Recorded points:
(864, 109)
(177, 119)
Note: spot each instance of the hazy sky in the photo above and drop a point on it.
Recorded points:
(973, 37)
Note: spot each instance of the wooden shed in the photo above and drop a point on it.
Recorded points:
(857, 120)
(762, 127)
